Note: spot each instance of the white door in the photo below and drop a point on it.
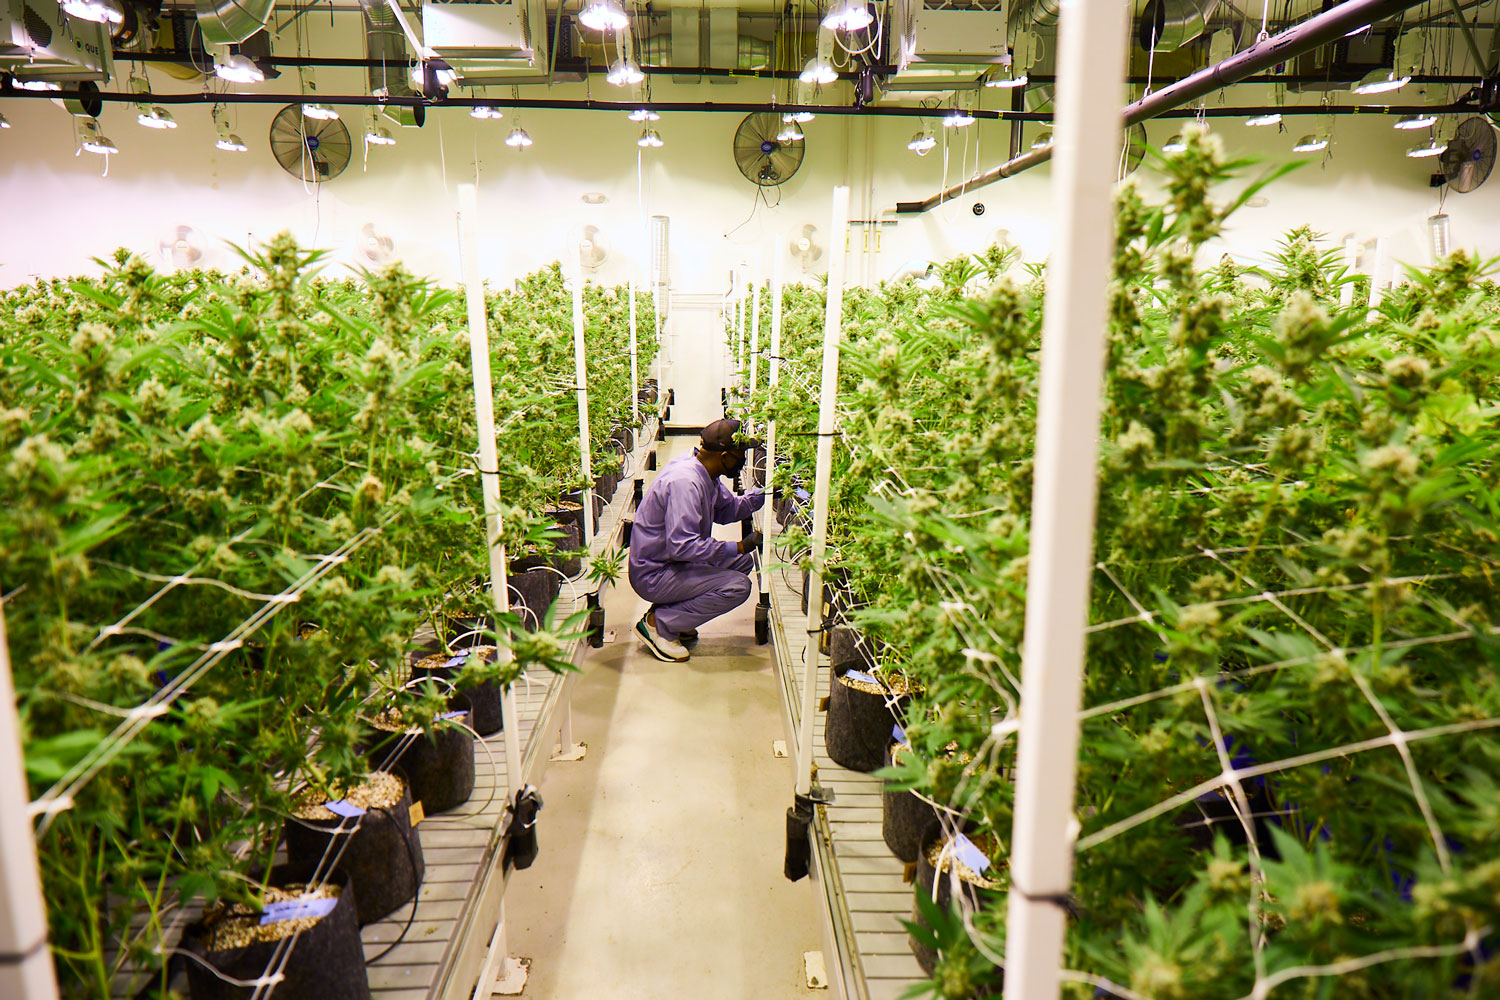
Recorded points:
(696, 358)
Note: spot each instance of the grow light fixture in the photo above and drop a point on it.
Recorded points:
(604, 15)
(37, 85)
(790, 132)
(1380, 81)
(156, 117)
(1274, 118)
(848, 15)
(800, 117)
(1043, 139)
(380, 136)
(444, 74)
(1008, 82)
(237, 68)
(624, 73)
(93, 142)
(519, 138)
(98, 11)
(1311, 143)
(1432, 147)
(3, 122)
(1416, 121)
(1176, 144)
(958, 118)
(818, 70)
(644, 115)
(649, 139)
(922, 143)
(319, 112)
(231, 143)
(485, 112)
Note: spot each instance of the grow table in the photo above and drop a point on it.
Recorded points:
(856, 876)
(443, 951)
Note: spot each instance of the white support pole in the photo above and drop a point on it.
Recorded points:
(635, 373)
(1087, 129)
(23, 917)
(1351, 268)
(489, 470)
(775, 377)
(1378, 271)
(833, 319)
(581, 386)
(754, 331)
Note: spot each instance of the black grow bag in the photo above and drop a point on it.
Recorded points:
(483, 700)
(383, 858)
(326, 963)
(858, 728)
(439, 765)
(976, 896)
(904, 817)
(534, 591)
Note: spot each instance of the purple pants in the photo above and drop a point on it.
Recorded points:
(687, 595)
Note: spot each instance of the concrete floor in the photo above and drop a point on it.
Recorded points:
(661, 851)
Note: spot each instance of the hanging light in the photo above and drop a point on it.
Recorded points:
(319, 112)
(1176, 144)
(230, 143)
(37, 85)
(644, 115)
(624, 73)
(649, 139)
(98, 11)
(848, 15)
(790, 132)
(1311, 143)
(1432, 147)
(800, 117)
(1416, 121)
(444, 74)
(237, 68)
(922, 143)
(604, 15)
(156, 117)
(1274, 118)
(818, 70)
(379, 136)
(519, 138)
(3, 122)
(1043, 139)
(1008, 81)
(485, 112)
(1380, 81)
(94, 142)
(958, 118)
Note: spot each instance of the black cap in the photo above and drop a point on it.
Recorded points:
(724, 435)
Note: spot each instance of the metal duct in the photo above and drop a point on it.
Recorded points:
(385, 42)
(229, 22)
(723, 40)
(754, 53)
(687, 42)
(1168, 25)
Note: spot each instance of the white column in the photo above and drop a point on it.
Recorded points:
(775, 377)
(635, 375)
(1092, 43)
(754, 330)
(23, 917)
(581, 383)
(489, 479)
(833, 318)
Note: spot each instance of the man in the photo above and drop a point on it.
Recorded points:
(675, 562)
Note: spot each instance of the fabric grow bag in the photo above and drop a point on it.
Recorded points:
(483, 700)
(861, 709)
(904, 817)
(383, 858)
(977, 891)
(326, 963)
(536, 589)
(439, 765)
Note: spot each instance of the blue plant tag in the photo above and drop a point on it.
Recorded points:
(898, 734)
(859, 675)
(453, 715)
(973, 857)
(297, 909)
(341, 808)
(801, 494)
(457, 661)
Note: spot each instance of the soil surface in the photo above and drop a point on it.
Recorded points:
(235, 925)
(380, 790)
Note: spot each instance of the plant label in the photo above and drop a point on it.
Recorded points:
(859, 675)
(453, 715)
(898, 734)
(417, 814)
(341, 808)
(457, 661)
(965, 851)
(298, 909)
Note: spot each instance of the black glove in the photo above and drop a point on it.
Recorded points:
(751, 542)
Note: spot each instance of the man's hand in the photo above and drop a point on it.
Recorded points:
(751, 542)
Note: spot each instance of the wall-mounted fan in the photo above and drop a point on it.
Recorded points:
(375, 246)
(312, 149)
(1470, 155)
(592, 247)
(182, 247)
(762, 157)
(1132, 150)
(806, 245)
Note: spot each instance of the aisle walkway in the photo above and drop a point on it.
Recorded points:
(660, 868)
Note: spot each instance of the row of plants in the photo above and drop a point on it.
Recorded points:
(1297, 537)
(183, 454)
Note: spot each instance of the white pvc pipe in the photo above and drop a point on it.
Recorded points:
(775, 377)
(489, 478)
(23, 917)
(1351, 267)
(635, 387)
(833, 318)
(754, 332)
(1377, 275)
(1092, 43)
(581, 385)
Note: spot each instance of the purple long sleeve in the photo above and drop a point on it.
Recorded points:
(674, 523)
(729, 508)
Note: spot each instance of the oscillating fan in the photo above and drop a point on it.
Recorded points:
(763, 158)
(182, 248)
(593, 248)
(1470, 155)
(312, 149)
(375, 246)
(807, 245)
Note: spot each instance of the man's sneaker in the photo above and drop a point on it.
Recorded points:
(662, 648)
(687, 635)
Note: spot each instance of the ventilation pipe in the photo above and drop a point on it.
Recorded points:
(1168, 25)
(1329, 26)
(229, 22)
(385, 44)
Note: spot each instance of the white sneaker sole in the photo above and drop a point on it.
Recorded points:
(643, 631)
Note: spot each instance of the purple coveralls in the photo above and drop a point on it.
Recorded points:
(675, 562)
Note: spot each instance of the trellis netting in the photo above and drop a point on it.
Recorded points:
(1287, 781)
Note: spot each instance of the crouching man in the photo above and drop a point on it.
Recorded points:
(675, 562)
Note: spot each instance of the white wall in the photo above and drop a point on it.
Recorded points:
(59, 211)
